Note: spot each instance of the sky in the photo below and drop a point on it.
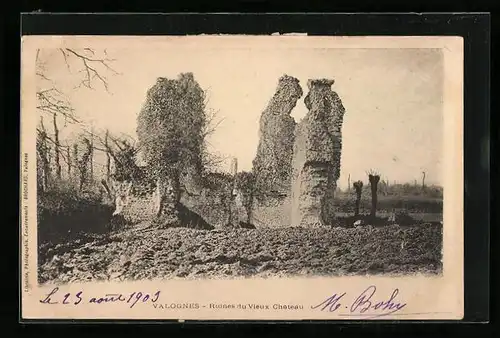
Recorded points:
(392, 97)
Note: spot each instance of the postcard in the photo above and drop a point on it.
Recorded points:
(240, 177)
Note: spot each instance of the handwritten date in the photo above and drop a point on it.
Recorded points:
(55, 297)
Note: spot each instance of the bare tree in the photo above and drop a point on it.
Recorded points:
(69, 159)
(358, 188)
(121, 150)
(91, 157)
(42, 155)
(57, 145)
(108, 156)
(92, 65)
(374, 178)
(52, 101)
(75, 159)
(83, 162)
(210, 161)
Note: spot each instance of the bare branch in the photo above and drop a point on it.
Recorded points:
(51, 104)
(211, 124)
(41, 92)
(65, 58)
(83, 57)
(56, 144)
(52, 101)
(43, 76)
(90, 70)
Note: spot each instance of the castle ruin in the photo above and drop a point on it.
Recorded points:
(272, 165)
(316, 156)
(296, 167)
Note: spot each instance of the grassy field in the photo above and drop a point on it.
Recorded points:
(413, 204)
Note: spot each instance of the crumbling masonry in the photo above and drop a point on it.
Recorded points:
(272, 165)
(316, 156)
(301, 162)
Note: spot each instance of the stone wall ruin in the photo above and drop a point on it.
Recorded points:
(219, 205)
(272, 165)
(316, 156)
(296, 165)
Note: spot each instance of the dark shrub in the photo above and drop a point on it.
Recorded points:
(63, 212)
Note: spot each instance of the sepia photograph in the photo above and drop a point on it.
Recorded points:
(194, 161)
(238, 162)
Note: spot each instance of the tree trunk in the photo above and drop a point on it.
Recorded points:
(374, 201)
(83, 163)
(91, 156)
(43, 150)
(68, 156)
(56, 147)
(46, 174)
(358, 188)
(108, 157)
(374, 179)
(175, 181)
(82, 181)
(169, 194)
(358, 202)
(75, 162)
(423, 180)
(45, 165)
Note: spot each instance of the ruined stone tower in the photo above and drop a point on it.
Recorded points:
(316, 156)
(273, 162)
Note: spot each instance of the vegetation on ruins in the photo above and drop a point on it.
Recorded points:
(172, 127)
(125, 160)
(272, 165)
(171, 130)
(77, 224)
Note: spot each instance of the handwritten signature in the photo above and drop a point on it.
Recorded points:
(133, 298)
(364, 305)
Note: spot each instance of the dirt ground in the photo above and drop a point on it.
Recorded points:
(145, 253)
